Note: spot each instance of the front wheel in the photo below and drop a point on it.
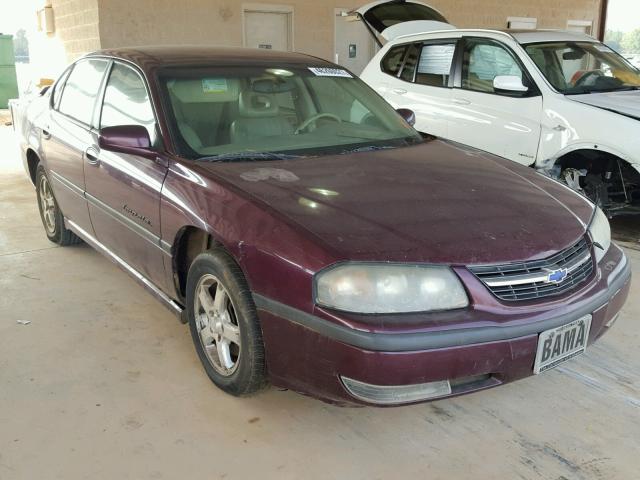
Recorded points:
(224, 324)
(50, 213)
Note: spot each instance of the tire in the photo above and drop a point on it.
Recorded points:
(224, 324)
(50, 213)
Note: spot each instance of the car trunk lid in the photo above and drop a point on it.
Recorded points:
(387, 20)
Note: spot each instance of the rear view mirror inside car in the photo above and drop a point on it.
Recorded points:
(573, 55)
(272, 85)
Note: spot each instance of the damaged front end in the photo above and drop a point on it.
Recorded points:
(609, 182)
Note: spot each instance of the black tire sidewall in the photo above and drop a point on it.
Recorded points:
(250, 374)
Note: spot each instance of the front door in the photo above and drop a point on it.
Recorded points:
(493, 121)
(67, 134)
(123, 190)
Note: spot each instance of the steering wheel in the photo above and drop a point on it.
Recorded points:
(314, 118)
(583, 79)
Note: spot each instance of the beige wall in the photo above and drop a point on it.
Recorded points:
(76, 26)
(85, 25)
(493, 13)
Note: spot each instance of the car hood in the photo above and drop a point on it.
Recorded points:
(436, 202)
(624, 103)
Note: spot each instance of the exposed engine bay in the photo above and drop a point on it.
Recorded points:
(609, 182)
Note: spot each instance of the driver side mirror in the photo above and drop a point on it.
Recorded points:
(131, 139)
(509, 84)
(408, 115)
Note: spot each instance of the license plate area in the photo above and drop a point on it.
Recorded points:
(557, 345)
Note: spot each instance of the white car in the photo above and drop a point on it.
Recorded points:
(561, 102)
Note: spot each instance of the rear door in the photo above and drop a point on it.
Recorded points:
(422, 82)
(123, 190)
(387, 20)
(67, 135)
(504, 124)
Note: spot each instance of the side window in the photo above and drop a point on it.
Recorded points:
(392, 61)
(483, 61)
(410, 62)
(81, 89)
(435, 64)
(126, 101)
(57, 89)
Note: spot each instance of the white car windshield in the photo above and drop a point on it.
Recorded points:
(583, 67)
(238, 113)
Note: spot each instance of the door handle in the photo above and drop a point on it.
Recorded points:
(45, 133)
(91, 155)
(460, 101)
(399, 91)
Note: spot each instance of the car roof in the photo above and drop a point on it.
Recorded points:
(147, 57)
(532, 36)
(520, 36)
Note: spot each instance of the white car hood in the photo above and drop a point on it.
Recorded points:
(624, 103)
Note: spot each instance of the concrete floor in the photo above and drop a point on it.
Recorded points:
(104, 383)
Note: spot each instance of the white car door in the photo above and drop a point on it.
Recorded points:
(418, 77)
(505, 123)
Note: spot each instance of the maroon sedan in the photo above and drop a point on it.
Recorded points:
(311, 238)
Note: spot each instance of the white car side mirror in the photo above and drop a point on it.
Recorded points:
(509, 84)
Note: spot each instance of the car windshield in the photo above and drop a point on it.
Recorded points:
(258, 113)
(583, 67)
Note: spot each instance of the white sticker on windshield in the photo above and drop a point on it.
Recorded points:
(214, 85)
(603, 48)
(329, 72)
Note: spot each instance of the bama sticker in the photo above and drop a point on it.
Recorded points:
(329, 72)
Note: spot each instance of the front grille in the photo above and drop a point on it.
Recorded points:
(530, 280)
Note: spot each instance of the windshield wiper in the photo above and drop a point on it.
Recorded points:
(247, 157)
(368, 148)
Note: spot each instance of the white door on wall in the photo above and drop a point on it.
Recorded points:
(354, 45)
(268, 30)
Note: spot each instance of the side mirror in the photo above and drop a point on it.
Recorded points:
(408, 115)
(132, 139)
(509, 84)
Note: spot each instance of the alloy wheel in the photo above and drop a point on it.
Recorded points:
(217, 325)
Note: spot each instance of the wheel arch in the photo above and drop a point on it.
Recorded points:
(189, 242)
(32, 163)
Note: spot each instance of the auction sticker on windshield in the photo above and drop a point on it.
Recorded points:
(559, 344)
(329, 72)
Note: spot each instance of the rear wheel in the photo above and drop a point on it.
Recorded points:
(224, 324)
(50, 214)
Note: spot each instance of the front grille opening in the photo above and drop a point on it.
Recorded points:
(529, 280)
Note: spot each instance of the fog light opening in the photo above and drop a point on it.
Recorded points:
(396, 394)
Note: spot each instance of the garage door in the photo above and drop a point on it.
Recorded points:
(269, 30)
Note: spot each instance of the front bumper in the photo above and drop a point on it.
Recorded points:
(318, 357)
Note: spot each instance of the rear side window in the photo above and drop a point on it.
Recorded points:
(392, 61)
(435, 64)
(57, 89)
(81, 89)
(126, 101)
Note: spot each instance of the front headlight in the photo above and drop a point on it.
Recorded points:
(382, 288)
(600, 232)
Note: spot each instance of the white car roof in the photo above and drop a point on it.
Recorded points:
(532, 36)
(520, 36)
